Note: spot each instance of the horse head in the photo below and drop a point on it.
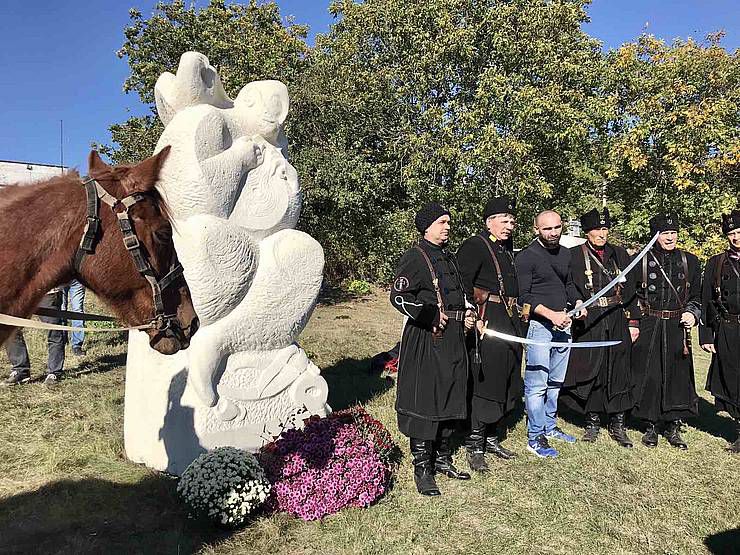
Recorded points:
(138, 273)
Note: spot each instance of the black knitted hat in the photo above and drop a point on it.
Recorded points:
(664, 222)
(499, 205)
(730, 221)
(428, 214)
(593, 220)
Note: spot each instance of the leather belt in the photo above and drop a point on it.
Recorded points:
(734, 318)
(457, 315)
(604, 302)
(498, 299)
(663, 314)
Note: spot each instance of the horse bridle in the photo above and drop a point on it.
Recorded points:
(161, 322)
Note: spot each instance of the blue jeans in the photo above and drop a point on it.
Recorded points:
(543, 378)
(74, 300)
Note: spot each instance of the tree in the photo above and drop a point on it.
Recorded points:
(245, 42)
(406, 101)
(674, 138)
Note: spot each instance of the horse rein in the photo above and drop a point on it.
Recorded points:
(161, 322)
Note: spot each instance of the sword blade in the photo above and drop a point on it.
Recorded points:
(525, 341)
(616, 280)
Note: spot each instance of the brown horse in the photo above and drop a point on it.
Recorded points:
(41, 225)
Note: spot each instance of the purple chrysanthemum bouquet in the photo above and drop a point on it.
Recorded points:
(344, 460)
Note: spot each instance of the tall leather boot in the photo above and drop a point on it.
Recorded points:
(493, 445)
(673, 435)
(593, 427)
(650, 438)
(422, 452)
(735, 447)
(443, 461)
(617, 430)
(475, 445)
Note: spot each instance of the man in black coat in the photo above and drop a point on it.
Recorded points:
(431, 391)
(489, 277)
(663, 366)
(600, 380)
(719, 332)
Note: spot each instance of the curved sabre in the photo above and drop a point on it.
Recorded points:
(612, 283)
(525, 341)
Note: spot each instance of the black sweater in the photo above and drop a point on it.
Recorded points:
(544, 278)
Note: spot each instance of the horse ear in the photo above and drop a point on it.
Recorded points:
(146, 172)
(95, 163)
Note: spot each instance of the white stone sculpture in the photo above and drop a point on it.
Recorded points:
(254, 280)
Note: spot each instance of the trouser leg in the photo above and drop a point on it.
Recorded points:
(17, 352)
(55, 338)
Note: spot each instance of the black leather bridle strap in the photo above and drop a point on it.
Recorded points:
(96, 193)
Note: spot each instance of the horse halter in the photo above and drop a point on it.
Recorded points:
(161, 322)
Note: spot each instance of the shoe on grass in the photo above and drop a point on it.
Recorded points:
(78, 352)
(540, 447)
(559, 435)
(51, 380)
(17, 377)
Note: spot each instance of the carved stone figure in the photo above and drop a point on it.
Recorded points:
(254, 280)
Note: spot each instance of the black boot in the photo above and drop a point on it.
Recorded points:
(475, 445)
(650, 438)
(423, 453)
(735, 447)
(617, 430)
(443, 461)
(673, 435)
(493, 445)
(593, 427)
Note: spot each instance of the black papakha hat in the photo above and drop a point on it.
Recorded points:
(730, 221)
(428, 214)
(664, 222)
(593, 220)
(499, 205)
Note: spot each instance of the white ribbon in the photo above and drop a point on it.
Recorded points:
(525, 341)
(620, 277)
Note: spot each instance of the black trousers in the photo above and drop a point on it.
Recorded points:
(427, 430)
(18, 351)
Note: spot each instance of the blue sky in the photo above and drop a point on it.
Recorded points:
(58, 61)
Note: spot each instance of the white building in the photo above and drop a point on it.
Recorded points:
(12, 172)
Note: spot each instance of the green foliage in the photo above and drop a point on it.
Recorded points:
(406, 101)
(674, 135)
(245, 42)
(359, 287)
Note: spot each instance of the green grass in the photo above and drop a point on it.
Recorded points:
(66, 486)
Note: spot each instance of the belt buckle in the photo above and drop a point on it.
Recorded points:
(602, 302)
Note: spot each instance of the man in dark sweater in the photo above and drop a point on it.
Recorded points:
(546, 289)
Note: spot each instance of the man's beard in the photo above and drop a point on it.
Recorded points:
(550, 243)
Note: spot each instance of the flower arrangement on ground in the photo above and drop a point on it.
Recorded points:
(225, 485)
(344, 460)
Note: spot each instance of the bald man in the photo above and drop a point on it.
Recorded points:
(545, 284)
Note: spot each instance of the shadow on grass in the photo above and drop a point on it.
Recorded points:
(724, 542)
(98, 516)
(98, 364)
(711, 422)
(351, 382)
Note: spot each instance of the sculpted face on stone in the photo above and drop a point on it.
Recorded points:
(254, 280)
(261, 108)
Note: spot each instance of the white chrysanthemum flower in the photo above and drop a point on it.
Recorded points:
(226, 484)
